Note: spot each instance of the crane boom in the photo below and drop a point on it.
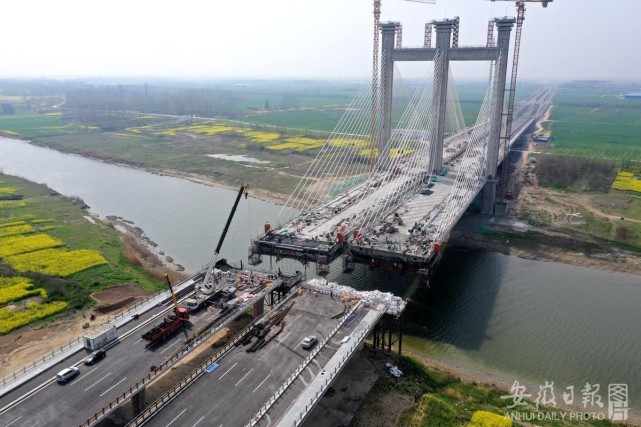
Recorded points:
(520, 17)
(205, 285)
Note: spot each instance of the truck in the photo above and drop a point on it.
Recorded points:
(170, 323)
(100, 336)
(206, 292)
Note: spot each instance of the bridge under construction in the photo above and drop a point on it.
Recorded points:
(427, 167)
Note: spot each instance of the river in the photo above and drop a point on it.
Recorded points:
(527, 320)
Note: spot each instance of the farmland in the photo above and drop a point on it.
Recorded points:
(52, 258)
(596, 122)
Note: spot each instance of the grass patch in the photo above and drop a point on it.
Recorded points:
(433, 398)
(49, 278)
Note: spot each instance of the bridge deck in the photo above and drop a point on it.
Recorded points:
(408, 231)
(242, 382)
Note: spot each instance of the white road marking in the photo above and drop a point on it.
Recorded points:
(228, 371)
(85, 375)
(283, 339)
(168, 347)
(98, 381)
(244, 376)
(212, 316)
(109, 389)
(201, 418)
(262, 383)
(14, 420)
(137, 341)
(177, 416)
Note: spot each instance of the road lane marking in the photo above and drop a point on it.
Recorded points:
(244, 376)
(283, 339)
(262, 382)
(98, 381)
(177, 416)
(109, 389)
(14, 420)
(201, 418)
(85, 375)
(137, 341)
(212, 316)
(26, 396)
(228, 371)
(169, 347)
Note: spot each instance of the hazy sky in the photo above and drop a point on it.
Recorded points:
(571, 39)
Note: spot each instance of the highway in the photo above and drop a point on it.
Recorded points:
(39, 402)
(231, 394)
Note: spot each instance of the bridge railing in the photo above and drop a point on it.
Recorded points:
(270, 402)
(69, 349)
(185, 382)
(317, 388)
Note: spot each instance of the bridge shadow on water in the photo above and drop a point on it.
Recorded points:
(456, 307)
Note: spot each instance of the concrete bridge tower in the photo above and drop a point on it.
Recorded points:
(446, 53)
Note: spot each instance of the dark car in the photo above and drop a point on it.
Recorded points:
(95, 356)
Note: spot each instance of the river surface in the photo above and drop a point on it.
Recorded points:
(523, 320)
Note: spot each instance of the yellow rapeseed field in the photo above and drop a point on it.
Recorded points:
(625, 182)
(21, 291)
(262, 137)
(12, 204)
(298, 143)
(15, 245)
(56, 262)
(16, 229)
(11, 224)
(8, 190)
(489, 419)
(13, 319)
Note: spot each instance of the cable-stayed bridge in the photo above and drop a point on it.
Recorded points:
(395, 176)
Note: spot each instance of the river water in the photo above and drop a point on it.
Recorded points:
(527, 320)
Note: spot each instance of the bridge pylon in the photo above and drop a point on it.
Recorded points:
(504, 27)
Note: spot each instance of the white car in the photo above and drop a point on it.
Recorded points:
(67, 374)
(309, 342)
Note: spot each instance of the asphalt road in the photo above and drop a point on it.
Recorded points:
(44, 402)
(233, 393)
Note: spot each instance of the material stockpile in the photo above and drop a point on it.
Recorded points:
(393, 304)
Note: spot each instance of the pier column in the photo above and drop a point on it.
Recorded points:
(388, 32)
(504, 26)
(439, 95)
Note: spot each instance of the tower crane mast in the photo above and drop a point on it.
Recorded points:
(520, 17)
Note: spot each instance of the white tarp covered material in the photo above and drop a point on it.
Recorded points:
(394, 370)
(392, 304)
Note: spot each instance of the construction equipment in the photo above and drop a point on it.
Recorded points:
(520, 17)
(170, 323)
(208, 285)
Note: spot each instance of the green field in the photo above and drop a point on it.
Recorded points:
(596, 122)
(34, 125)
(32, 227)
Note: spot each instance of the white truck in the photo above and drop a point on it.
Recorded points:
(211, 286)
(100, 336)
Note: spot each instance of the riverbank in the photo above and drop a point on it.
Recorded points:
(511, 236)
(45, 226)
